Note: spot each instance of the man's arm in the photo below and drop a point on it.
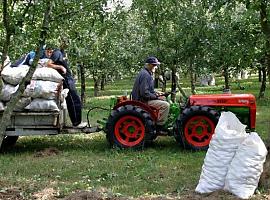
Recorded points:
(50, 64)
(57, 57)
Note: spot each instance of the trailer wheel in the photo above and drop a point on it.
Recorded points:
(195, 126)
(129, 127)
(9, 141)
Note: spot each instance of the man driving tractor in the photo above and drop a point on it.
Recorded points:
(143, 90)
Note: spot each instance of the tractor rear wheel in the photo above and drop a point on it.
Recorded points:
(195, 126)
(129, 127)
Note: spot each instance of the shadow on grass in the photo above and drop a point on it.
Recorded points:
(96, 143)
(64, 143)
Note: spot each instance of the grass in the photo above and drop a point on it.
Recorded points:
(84, 162)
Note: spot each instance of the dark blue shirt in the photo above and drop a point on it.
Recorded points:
(143, 89)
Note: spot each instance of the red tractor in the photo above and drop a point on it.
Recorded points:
(132, 124)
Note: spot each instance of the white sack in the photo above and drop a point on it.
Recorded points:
(47, 74)
(42, 89)
(13, 75)
(42, 105)
(2, 106)
(64, 94)
(7, 91)
(43, 62)
(246, 167)
(229, 133)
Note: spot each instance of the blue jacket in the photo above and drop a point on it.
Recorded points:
(143, 89)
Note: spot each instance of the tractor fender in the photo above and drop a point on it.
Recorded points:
(150, 109)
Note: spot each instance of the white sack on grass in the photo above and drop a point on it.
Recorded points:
(13, 75)
(7, 92)
(246, 167)
(42, 105)
(2, 106)
(229, 133)
(47, 74)
(42, 89)
(22, 103)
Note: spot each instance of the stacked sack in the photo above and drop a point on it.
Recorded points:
(42, 94)
(234, 160)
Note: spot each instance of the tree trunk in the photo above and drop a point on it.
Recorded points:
(163, 89)
(96, 85)
(265, 26)
(174, 84)
(163, 81)
(265, 177)
(103, 82)
(260, 74)
(82, 69)
(9, 32)
(226, 78)
(5, 119)
(263, 84)
(192, 77)
(177, 80)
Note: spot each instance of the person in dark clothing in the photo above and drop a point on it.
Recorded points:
(57, 61)
(143, 90)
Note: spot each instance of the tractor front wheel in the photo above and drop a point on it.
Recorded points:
(195, 126)
(129, 127)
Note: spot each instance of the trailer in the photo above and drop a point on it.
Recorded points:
(33, 123)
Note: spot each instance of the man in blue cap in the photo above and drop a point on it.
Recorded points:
(143, 90)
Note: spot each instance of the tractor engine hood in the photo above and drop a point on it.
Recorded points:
(227, 100)
(246, 100)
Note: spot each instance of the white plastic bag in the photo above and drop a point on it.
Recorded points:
(7, 91)
(43, 62)
(246, 167)
(64, 94)
(47, 74)
(42, 89)
(2, 106)
(13, 75)
(229, 133)
(42, 105)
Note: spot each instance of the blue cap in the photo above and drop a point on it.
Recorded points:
(152, 60)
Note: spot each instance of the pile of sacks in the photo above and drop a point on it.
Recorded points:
(234, 160)
(43, 92)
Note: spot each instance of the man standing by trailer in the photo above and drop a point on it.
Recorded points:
(57, 61)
